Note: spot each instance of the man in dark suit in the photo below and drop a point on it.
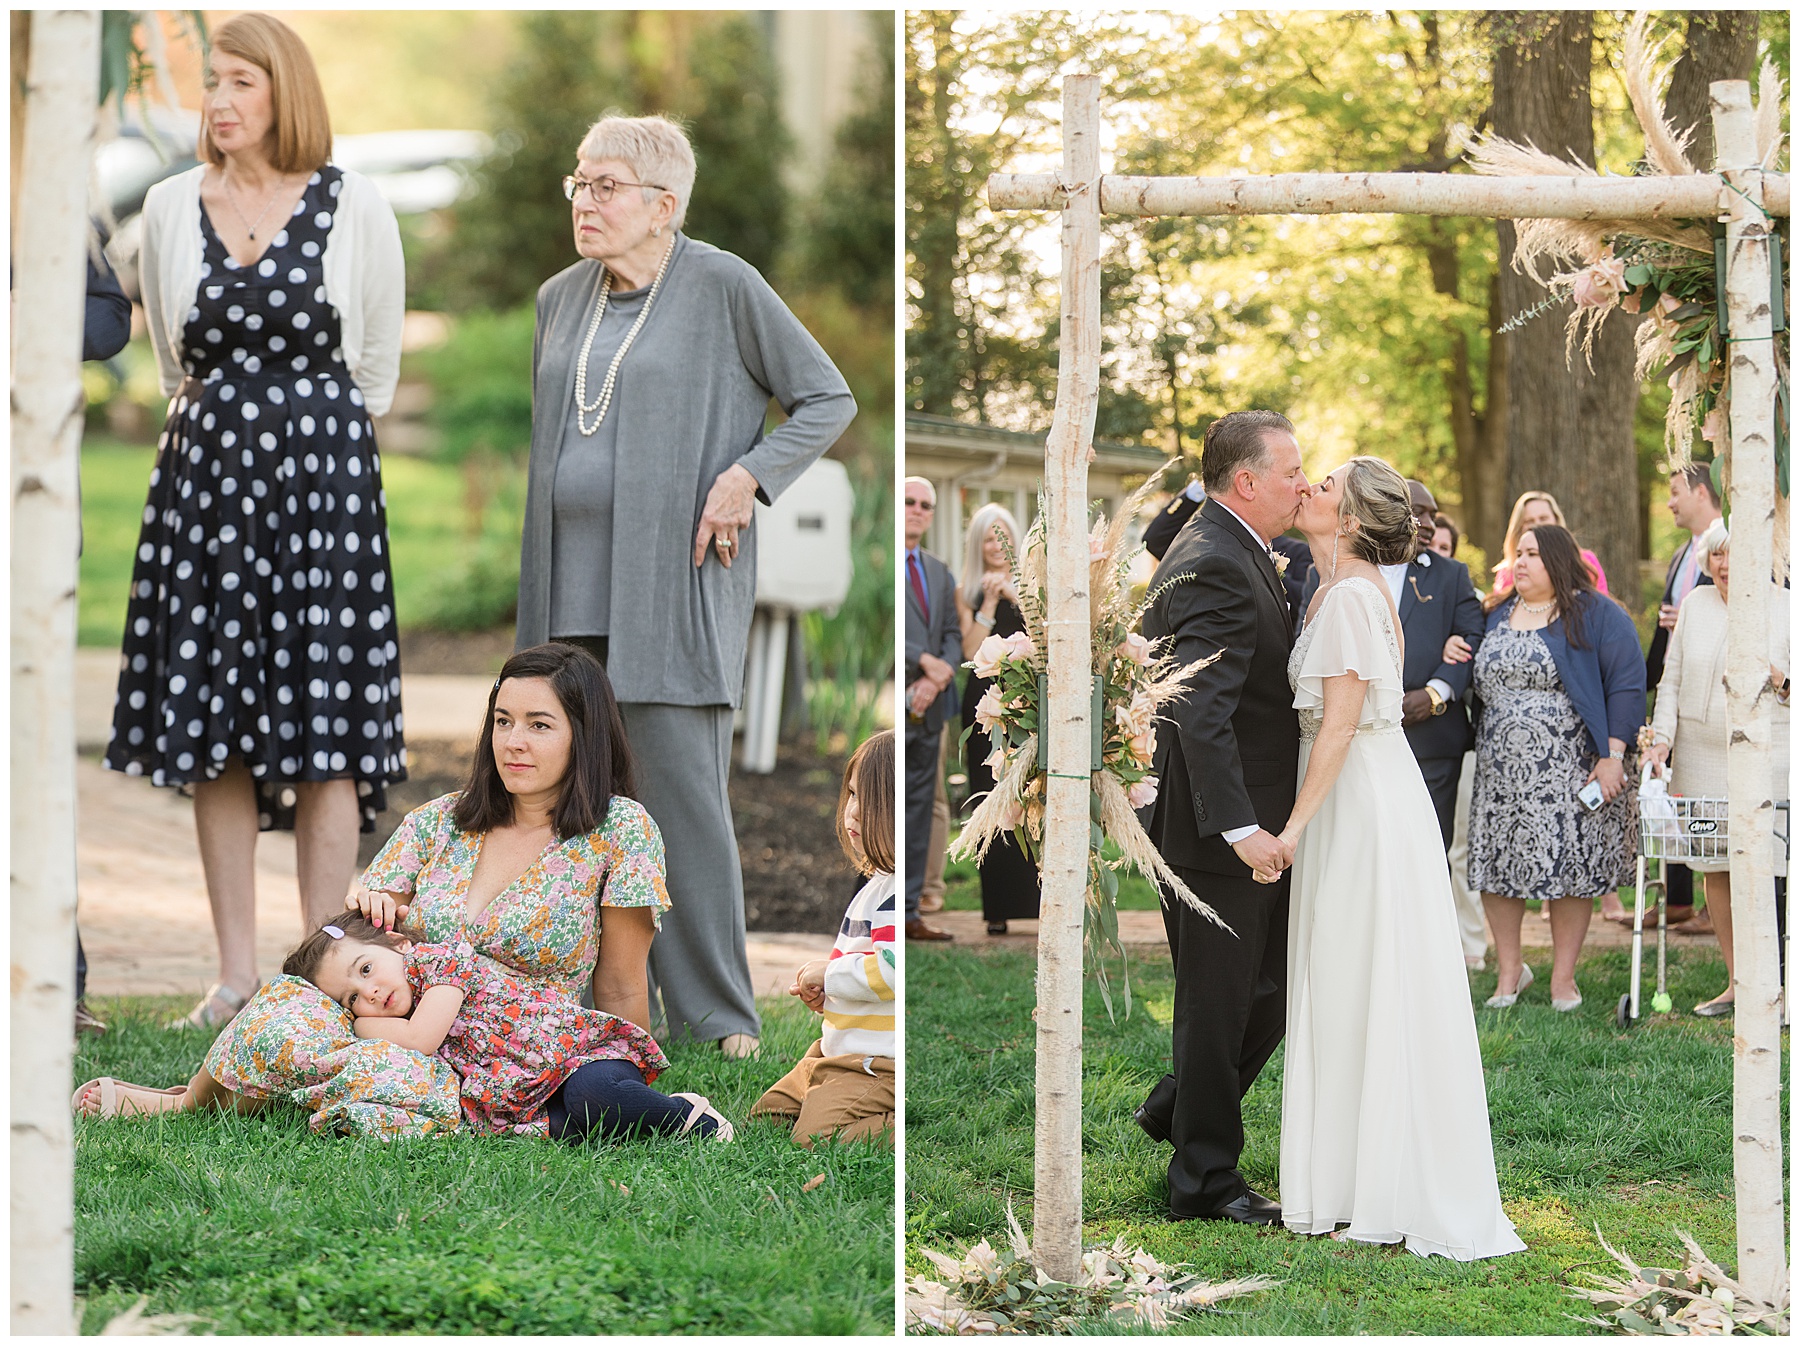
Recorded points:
(933, 650)
(1694, 506)
(1436, 599)
(1161, 531)
(1228, 765)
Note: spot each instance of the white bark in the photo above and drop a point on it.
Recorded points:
(1056, 1222)
(49, 265)
(1749, 693)
(1571, 198)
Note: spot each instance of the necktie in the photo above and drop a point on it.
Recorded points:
(915, 571)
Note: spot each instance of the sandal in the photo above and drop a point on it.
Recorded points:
(110, 1097)
(204, 1015)
(702, 1108)
(996, 928)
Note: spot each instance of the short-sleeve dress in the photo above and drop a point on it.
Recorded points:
(260, 622)
(515, 1040)
(545, 926)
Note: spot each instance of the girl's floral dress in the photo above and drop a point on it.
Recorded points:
(543, 931)
(515, 1041)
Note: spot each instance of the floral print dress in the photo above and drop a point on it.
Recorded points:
(543, 929)
(515, 1041)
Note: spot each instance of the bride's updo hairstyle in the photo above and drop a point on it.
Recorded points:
(1375, 496)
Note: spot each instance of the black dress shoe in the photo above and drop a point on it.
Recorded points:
(1247, 1209)
(1152, 1126)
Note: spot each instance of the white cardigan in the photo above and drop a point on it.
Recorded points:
(1690, 700)
(365, 279)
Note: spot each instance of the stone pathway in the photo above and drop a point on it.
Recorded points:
(145, 922)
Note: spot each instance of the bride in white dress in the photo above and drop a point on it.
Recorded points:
(1384, 1120)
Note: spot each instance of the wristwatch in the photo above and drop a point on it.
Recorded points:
(1438, 703)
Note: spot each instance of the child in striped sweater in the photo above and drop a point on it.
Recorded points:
(844, 1085)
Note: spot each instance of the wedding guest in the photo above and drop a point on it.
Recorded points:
(1445, 535)
(1297, 570)
(656, 357)
(1694, 505)
(259, 665)
(1445, 539)
(1691, 709)
(1561, 687)
(933, 649)
(1531, 510)
(987, 604)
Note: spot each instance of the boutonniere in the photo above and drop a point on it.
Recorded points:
(1418, 593)
(1280, 563)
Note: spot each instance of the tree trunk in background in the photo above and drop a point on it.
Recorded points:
(1569, 430)
(940, 202)
(1721, 44)
(49, 261)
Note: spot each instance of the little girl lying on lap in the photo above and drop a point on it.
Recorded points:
(530, 1062)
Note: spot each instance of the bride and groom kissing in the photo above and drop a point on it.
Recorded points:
(1293, 806)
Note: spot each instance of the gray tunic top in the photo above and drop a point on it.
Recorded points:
(690, 401)
(582, 507)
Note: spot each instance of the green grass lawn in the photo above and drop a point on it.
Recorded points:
(259, 1226)
(1627, 1130)
(962, 888)
(427, 530)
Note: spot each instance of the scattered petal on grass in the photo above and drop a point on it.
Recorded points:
(812, 1182)
(134, 1322)
(618, 1187)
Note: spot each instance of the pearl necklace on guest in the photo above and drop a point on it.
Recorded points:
(604, 403)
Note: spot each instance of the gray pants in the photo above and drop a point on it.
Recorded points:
(699, 971)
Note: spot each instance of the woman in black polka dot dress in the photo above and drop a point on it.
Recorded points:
(259, 661)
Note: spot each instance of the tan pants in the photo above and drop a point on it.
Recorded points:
(940, 827)
(850, 1097)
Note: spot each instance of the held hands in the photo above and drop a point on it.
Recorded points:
(809, 985)
(384, 909)
(730, 506)
(997, 584)
(1665, 616)
(1266, 855)
(1415, 707)
(1457, 651)
(1657, 755)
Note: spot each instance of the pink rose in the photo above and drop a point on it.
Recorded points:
(1600, 285)
(1136, 717)
(1135, 649)
(1142, 794)
(1143, 746)
(988, 656)
(1012, 814)
(989, 711)
(1020, 646)
(1715, 429)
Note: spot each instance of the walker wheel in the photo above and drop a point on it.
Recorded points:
(1624, 1014)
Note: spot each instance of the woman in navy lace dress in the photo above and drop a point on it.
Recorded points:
(259, 665)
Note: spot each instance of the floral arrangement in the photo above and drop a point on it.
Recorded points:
(1134, 679)
(1004, 1291)
(1664, 269)
(1700, 1300)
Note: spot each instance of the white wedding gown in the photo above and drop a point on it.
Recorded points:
(1384, 1120)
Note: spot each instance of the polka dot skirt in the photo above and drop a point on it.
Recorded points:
(261, 618)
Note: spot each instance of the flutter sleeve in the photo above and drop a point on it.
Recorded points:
(431, 965)
(1352, 637)
(630, 846)
(396, 867)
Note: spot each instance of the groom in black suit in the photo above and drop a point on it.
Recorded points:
(1228, 766)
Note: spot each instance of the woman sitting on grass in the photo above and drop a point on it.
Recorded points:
(844, 1085)
(544, 863)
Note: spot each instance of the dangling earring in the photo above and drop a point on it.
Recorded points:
(1334, 557)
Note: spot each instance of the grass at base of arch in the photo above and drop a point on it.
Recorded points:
(1629, 1131)
(260, 1227)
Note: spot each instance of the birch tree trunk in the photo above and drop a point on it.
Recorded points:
(49, 263)
(1749, 693)
(1056, 1219)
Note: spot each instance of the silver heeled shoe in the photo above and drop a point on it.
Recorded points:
(1508, 1001)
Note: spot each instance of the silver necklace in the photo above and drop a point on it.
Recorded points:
(1538, 609)
(583, 408)
(231, 196)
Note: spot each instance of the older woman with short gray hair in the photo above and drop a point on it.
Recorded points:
(655, 360)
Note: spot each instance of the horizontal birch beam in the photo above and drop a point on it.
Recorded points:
(1690, 196)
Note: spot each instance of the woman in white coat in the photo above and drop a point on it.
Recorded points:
(1691, 709)
(259, 665)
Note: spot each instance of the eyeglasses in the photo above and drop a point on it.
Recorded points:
(602, 191)
(920, 504)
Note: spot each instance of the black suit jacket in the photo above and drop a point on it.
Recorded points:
(1228, 753)
(1161, 531)
(1437, 602)
(940, 635)
(1659, 642)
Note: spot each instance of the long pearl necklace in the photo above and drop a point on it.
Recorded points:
(583, 408)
